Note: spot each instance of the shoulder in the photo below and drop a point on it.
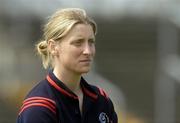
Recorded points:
(105, 100)
(39, 104)
(103, 96)
(100, 91)
(41, 89)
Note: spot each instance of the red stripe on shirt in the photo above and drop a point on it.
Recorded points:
(89, 93)
(59, 88)
(41, 98)
(36, 104)
(38, 101)
(102, 92)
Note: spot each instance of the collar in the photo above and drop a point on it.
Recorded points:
(62, 88)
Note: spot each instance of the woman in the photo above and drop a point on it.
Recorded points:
(68, 48)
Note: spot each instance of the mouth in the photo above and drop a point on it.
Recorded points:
(86, 60)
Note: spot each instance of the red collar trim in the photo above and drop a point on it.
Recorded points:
(92, 95)
(59, 88)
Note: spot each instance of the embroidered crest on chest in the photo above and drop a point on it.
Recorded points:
(103, 118)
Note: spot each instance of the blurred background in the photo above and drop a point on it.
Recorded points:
(137, 60)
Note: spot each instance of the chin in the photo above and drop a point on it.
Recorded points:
(84, 70)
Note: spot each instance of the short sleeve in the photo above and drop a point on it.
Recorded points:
(38, 110)
(37, 115)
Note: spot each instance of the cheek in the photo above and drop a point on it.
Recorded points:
(94, 51)
(72, 54)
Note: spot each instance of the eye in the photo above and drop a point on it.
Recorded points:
(78, 42)
(91, 41)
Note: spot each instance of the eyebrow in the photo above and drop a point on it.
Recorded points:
(80, 37)
(94, 39)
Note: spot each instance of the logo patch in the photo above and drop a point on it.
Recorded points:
(103, 118)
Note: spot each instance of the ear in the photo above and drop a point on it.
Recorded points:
(52, 47)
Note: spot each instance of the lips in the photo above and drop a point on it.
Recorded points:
(86, 60)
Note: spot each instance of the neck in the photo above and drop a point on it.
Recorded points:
(71, 80)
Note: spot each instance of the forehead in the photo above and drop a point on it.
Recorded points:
(81, 30)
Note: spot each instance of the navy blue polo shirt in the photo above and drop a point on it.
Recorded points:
(50, 101)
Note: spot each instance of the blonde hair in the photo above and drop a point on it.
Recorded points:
(57, 27)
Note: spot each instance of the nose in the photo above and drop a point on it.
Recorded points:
(87, 50)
